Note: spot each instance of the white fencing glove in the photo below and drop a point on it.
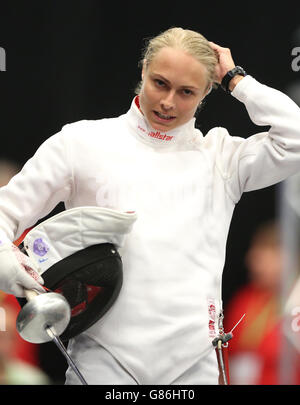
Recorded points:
(17, 271)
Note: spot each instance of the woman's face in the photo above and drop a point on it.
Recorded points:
(174, 84)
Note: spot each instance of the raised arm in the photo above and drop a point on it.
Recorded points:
(265, 158)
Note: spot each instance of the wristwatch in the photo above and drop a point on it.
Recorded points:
(238, 70)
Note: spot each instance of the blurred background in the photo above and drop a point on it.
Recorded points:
(72, 60)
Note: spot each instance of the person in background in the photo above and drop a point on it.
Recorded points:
(255, 350)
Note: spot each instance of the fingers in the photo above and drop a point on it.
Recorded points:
(215, 48)
(29, 277)
(18, 291)
(32, 273)
(219, 50)
(25, 282)
(29, 283)
(225, 60)
(213, 45)
(17, 271)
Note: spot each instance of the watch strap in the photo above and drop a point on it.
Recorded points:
(237, 70)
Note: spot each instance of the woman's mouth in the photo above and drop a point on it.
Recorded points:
(164, 117)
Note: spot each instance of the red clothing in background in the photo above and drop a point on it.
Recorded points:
(254, 351)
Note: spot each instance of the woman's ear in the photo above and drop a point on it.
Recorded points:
(208, 91)
(144, 68)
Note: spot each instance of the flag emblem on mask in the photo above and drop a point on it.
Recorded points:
(40, 248)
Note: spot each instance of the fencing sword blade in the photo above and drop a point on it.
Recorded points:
(237, 323)
(63, 350)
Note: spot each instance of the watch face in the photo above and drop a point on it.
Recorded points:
(235, 71)
(240, 70)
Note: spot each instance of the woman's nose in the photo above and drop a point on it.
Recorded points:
(168, 101)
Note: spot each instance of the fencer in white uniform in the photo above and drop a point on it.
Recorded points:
(183, 187)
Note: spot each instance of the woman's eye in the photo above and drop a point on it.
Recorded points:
(187, 92)
(160, 83)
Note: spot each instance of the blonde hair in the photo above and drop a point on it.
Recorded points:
(189, 41)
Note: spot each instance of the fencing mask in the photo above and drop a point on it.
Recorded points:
(77, 255)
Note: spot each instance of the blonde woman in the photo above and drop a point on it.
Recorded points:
(183, 187)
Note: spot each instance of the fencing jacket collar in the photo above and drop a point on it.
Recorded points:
(182, 135)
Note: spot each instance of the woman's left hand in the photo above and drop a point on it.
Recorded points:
(225, 64)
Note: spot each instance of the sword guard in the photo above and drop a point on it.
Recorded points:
(223, 338)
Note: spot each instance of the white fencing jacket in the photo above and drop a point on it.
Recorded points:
(183, 187)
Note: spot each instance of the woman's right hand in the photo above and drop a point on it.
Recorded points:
(17, 271)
